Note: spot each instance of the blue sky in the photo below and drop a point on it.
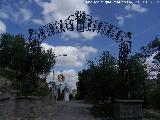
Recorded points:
(143, 20)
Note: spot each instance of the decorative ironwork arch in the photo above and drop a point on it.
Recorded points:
(81, 22)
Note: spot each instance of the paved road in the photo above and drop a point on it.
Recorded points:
(75, 110)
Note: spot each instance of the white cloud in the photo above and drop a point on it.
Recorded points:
(129, 16)
(76, 56)
(30, 1)
(38, 21)
(2, 27)
(89, 35)
(135, 8)
(122, 18)
(67, 35)
(25, 13)
(3, 15)
(17, 12)
(130, 7)
(21, 15)
(53, 11)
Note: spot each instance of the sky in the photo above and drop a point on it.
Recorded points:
(142, 18)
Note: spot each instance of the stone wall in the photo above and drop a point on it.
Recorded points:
(27, 108)
(19, 108)
(128, 110)
(4, 102)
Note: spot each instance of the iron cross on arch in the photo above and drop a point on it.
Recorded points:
(81, 22)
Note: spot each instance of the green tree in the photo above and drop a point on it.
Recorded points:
(17, 59)
(152, 96)
(102, 82)
(99, 80)
(6, 44)
(82, 84)
(138, 77)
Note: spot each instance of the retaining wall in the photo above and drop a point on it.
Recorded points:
(20, 108)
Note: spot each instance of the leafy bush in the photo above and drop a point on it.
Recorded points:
(42, 90)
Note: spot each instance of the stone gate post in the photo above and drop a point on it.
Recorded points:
(128, 110)
(12, 105)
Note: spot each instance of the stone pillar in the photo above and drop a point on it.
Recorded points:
(33, 111)
(28, 107)
(12, 105)
(4, 107)
(128, 110)
(51, 99)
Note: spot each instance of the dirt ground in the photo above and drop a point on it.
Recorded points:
(75, 110)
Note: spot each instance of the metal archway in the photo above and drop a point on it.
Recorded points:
(81, 22)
